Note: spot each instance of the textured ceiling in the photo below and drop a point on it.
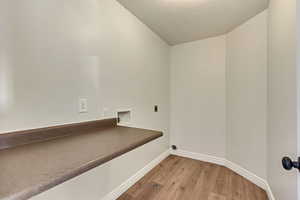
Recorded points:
(179, 21)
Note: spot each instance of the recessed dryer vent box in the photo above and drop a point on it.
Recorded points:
(124, 117)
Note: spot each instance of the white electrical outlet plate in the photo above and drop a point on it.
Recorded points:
(83, 106)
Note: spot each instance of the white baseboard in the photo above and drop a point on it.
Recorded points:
(269, 192)
(198, 156)
(234, 167)
(116, 193)
(260, 182)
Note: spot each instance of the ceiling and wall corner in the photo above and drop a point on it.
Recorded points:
(180, 21)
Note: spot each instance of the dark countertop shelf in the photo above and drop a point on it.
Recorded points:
(30, 169)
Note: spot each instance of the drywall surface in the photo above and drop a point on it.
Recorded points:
(66, 50)
(282, 91)
(198, 96)
(219, 96)
(246, 75)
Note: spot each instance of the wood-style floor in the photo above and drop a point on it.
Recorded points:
(178, 178)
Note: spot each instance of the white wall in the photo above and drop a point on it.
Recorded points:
(63, 50)
(246, 74)
(282, 105)
(219, 96)
(198, 96)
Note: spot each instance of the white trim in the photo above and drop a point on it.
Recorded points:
(116, 193)
(125, 124)
(269, 192)
(230, 165)
(124, 110)
(198, 156)
(262, 183)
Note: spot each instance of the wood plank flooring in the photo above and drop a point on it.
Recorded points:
(178, 178)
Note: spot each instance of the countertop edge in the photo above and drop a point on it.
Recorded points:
(25, 137)
(82, 169)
